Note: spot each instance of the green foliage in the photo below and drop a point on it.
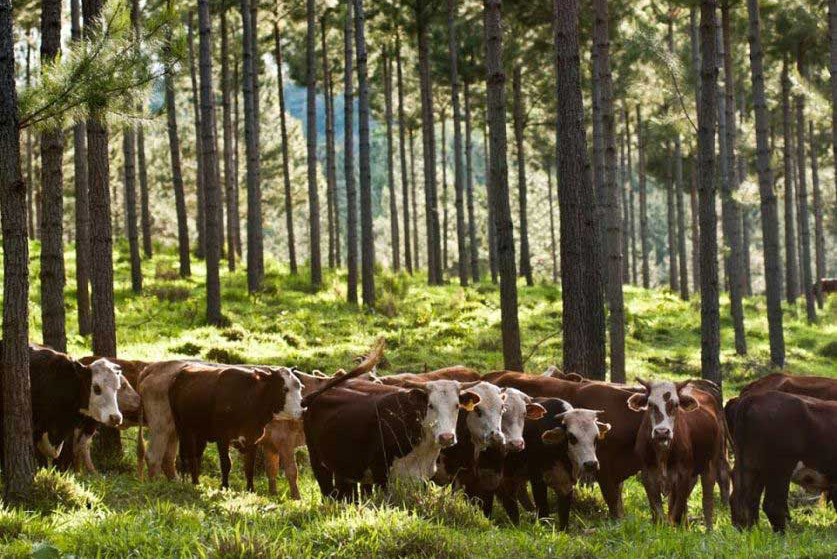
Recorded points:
(56, 490)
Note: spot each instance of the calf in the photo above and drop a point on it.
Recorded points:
(681, 437)
(773, 432)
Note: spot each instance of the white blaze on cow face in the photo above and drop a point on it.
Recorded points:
(518, 408)
(662, 401)
(485, 421)
(439, 421)
(106, 380)
(292, 407)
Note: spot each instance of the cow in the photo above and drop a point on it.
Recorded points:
(458, 372)
(367, 433)
(234, 404)
(681, 437)
(64, 393)
(828, 285)
(773, 432)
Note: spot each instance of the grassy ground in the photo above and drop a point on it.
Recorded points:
(114, 515)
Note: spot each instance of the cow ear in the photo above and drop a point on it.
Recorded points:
(468, 400)
(638, 402)
(535, 411)
(603, 429)
(554, 436)
(418, 396)
(688, 403)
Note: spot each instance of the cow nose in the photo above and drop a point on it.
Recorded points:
(662, 433)
(591, 466)
(115, 419)
(447, 439)
(515, 446)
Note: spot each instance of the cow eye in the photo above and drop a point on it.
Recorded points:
(572, 438)
(431, 406)
(97, 390)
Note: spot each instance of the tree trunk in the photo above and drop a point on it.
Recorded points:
(731, 213)
(348, 156)
(583, 316)
(598, 150)
(236, 197)
(631, 215)
(212, 192)
(623, 177)
(30, 150)
(130, 177)
(681, 219)
(473, 246)
(81, 202)
(804, 221)
(229, 170)
(19, 464)
(199, 175)
(643, 202)
(331, 172)
(444, 162)
(434, 249)
(52, 275)
(769, 206)
(693, 203)
(145, 211)
(367, 240)
(709, 311)
(395, 241)
(311, 140)
(255, 240)
(416, 253)
(819, 233)
(832, 67)
(402, 151)
(496, 108)
(525, 259)
(286, 166)
(459, 178)
(492, 229)
(553, 251)
(791, 264)
(671, 223)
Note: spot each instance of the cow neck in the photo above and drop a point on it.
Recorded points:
(85, 376)
(420, 462)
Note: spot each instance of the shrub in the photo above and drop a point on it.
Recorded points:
(829, 350)
(224, 355)
(186, 348)
(242, 543)
(171, 293)
(234, 333)
(53, 490)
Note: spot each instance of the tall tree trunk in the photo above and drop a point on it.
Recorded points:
(229, 171)
(623, 177)
(525, 259)
(671, 223)
(769, 206)
(331, 172)
(19, 464)
(145, 211)
(402, 151)
(492, 228)
(459, 178)
(286, 165)
(199, 175)
(236, 197)
(746, 215)
(434, 249)
(598, 150)
(367, 239)
(681, 219)
(731, 214)
(393, 205)
(709, 311)
(130, 177)
(496, 108)
(643, 202)
(819, 233)
(311, 140)
(81, 202)
(553, 250)
(416, 253)
(791, 264)
(832, 67)
(212, 192)
(473, 246)
(52, 276)
(631, 217)
(348, 156)
(444, 162)
(255, 239)
(804, 221)
(583, 317)
(30, 149)
(695, 211)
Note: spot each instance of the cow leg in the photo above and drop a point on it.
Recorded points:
(747, 488)
(324, 477)
(291, 472)
(612, 493)
(225, 462)
(250, 467)
(723, 475)
(707, 484)
(271, 468)
(539, 492)
(651, 483)
(81, 450)
(190, 449)
(776, 502)
(565, 503)
(508, 498)
(487, 499)
(680, 492)
(524, 498)
(168, 456)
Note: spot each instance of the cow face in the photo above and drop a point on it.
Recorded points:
(581, 430)
(519, 407)
(127, 398)
(662, 400)
(291, 388)
(485, 420)
(444, 399)
(105, 382)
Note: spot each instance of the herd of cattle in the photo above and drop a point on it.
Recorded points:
(488, 435)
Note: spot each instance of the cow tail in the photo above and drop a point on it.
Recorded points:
(140, 444)
(364, 367)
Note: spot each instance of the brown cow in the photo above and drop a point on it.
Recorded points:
(458, 372)
(773, 432)
(681, 438)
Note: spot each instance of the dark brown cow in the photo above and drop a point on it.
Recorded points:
(681, 438)
(773, 432)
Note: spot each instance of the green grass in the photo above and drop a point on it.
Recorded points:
(114, 515)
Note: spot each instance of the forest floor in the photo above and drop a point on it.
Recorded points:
(114, 515)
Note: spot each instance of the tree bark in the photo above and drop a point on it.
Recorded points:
(236, 197)
(255, 239)
(709, 307)
(130, 178)
(286, 165)
(444, 161)
(598, 149)
(395, 241)
(348, 156)
(525, 259)
(30, 150)
(18, 460)
(402, 151)
(583, 316)
(643, 202)
(681, 219)
(791, 264)
(458, 171)
(367, 240)
(473, 246)
(229, 171)
(804, 221)
(331, 173)
(819, 233)
(695, 211)
(311, 140)
(631, 215)
(145, 211)
(199, 175)
(496, 108)
(492, 229)
(623, 177)
(52, 275)
(832, 67)
(416, 253)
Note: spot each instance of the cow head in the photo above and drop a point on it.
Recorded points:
(287, 391)
(484, 421)
(127, 398)
(581, 430)
(105, 382)
(444, 400)
(662, 401)
(518, 408)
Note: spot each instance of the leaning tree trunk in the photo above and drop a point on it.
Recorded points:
(130, 177)
(522, 187)
(769, 206)
(804, 221)
(496, 108)
(643, 202)
(19, 464)
(199, 175)
(791, 264)
(331, 171)
(367, 241)
(402, 151)
(286, 165)
(226, 104)
(459, 186)
(709, 308)
(52, 276)
(311, 140)
(395, 241)
(473, 247)
(819, 234)
(255, 239)
(583, 316)
(613, 212)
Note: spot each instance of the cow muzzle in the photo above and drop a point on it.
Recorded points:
(662, 436)
(114, 420)
(515, 446)
(496, 440)
(446, 440)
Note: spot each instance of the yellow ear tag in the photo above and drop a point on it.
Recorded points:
(469, 406)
